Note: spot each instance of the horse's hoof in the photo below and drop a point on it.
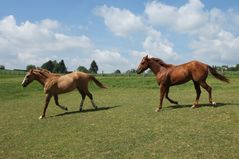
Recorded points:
(157, 110)
(175, 102)
(80, 109)
(96, 107)
(41, 117)
(214, 103)
(194, 106)
(66, 108)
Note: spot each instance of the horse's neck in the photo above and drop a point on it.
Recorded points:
(156, 67)
(42, 78)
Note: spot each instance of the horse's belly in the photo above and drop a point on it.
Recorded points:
(64, 87)
(179, 81)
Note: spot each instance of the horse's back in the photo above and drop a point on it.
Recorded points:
(198, 70)
(70, 81)
(193, 70)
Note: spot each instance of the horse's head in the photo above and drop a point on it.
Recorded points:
(144, 65)
(28, 78)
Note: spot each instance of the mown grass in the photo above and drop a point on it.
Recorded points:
(125, 126)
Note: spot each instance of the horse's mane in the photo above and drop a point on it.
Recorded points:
(161, 62)
(44, 72)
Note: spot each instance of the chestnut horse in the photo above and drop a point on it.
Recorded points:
(55, 84)
(168, 75)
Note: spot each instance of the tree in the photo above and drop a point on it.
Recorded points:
(93, 67)
(59, 67)
(30, 67)
(62, 67)
(237, 67)
(117, 71)
(48, 66)
(2, 67)
(82, 69)
(131, 71)
(54, 66)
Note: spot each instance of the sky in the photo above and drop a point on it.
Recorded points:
(118, 33)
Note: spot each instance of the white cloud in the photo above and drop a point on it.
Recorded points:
(158, 46)
(215, 42)
(120, 21)
(222, 49)
(214, 33)
(110, 60)
(33, 43)
(183, 19)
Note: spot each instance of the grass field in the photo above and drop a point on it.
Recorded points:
(125, 126)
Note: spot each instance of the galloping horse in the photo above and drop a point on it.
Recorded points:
(168, 75)
(55, 84)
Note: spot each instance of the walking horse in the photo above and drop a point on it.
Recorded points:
(169, 75)
(55, 84)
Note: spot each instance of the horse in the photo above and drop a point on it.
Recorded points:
(55, 84)
(169, 75)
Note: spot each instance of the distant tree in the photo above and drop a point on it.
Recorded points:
(237, 67)
(62, 67)
(2, 67)
(59, 67)
(48, 66)
(117, 71)
(30, 67)
(56, 67)
(82, 69)
(131, 71)
(93, 67)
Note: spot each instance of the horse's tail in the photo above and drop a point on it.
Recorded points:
(98, 83)
(217, 75)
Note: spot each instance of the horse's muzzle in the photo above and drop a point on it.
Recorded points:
(24, 85)
(138, 71)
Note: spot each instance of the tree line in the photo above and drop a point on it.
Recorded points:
(226, 68)
(60, 67)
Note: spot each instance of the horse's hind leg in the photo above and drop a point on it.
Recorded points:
(198, 91)
(91, 98)
(82, 98)
(57, 103)
(170, 100)
(209, 90)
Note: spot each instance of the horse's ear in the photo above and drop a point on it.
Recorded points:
(146, 57)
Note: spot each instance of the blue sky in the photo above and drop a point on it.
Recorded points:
(116, 34)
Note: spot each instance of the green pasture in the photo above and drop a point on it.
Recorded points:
(125, 126)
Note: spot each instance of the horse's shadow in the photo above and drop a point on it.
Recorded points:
(86, 110)
(200, 105)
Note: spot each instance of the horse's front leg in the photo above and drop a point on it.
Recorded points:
(57, 103)
(162, 93)
(47, 100)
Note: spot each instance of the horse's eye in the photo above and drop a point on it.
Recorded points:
(28, 76)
